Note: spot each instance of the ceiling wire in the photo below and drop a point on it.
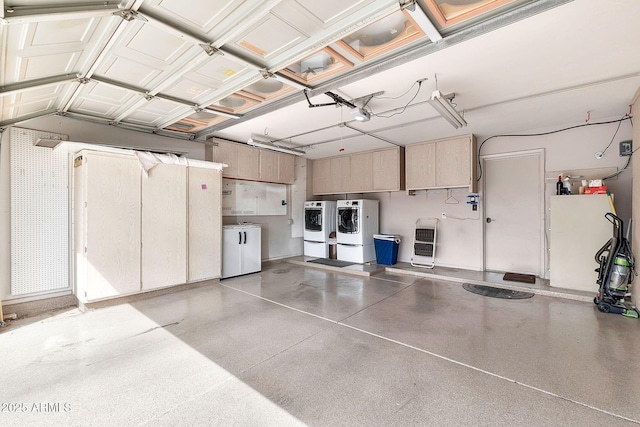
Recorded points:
(419, 82)
(626, 117)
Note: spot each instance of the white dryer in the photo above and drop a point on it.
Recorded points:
(319, 223)
(357, 221)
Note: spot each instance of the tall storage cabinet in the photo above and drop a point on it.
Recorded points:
(241, 250)
(106, 225)
(164, 227)
(204, 223)
(135, 233)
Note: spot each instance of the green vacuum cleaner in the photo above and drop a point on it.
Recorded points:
(616, 272)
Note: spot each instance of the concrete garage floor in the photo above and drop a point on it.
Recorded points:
(295, 345)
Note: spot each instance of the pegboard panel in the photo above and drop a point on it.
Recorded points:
(39, 214)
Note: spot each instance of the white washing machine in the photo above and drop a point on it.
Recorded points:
(319, 222)
(357, 221)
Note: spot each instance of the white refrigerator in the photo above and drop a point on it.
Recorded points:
(241, 250)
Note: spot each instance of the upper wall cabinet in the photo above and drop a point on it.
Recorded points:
(445, 163)
(253, 164)
(372, 171)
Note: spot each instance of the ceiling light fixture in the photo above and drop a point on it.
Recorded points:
(443, 106)
(361, 115)
(256, 141)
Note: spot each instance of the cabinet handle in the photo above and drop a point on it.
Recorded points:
(245, 237)
(239, 238)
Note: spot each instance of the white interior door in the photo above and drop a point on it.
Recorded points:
(514, 212)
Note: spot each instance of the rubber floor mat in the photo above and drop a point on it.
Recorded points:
(331, 262)
(517, 277)
(490, 291)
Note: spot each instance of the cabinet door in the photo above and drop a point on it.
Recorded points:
(386, 170)
(340, 174)
(112, 226)
(321, 176)
(361, 166)
(286, 168)
(420, 166)
(268, 166)
(231, 252)
(164, 226)
(251, 250)
(453, 167)
(248, 162)
(204, 224)
(227, 153)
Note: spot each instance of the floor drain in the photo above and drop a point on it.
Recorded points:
(493, 292)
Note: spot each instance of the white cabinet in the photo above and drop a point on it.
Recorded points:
(106, 225)
(445, 163)
(241, 250)
(578, 230)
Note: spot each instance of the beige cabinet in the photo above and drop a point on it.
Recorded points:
(276, 167)
(388, 170)
(252, 164)
(134, 233)
(371, 171)
(286, 168)
(322, 176)
(106, 225)
(445, 163)
(243, 161)
(361, 172)
(340, 176)
(164, 227)
(204, 223)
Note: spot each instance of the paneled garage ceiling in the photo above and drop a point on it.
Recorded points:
(197, 69)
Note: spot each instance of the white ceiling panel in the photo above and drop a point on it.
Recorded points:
(103, 100)
(218, 70)
(269, 37)
(24, 107)
(127, 71)
(189, 90)
(207, 17)
(49, 48)
(153, 112)
(328, 11)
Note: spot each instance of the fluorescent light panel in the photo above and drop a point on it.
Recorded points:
(270, 146)
(446, 110)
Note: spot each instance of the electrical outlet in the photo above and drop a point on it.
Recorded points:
(444, 215)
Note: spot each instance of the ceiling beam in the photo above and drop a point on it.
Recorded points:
(40, 13)
(36, 84)
(27, 117)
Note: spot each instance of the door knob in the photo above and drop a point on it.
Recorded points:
(489, 220)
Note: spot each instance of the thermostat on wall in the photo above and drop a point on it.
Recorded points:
(626, 148)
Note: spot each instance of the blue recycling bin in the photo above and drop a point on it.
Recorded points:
(386, 248)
